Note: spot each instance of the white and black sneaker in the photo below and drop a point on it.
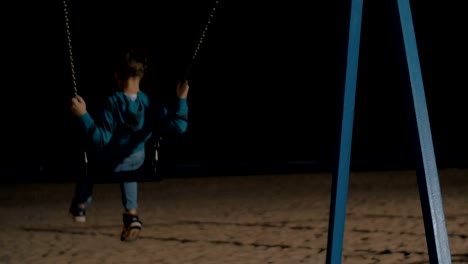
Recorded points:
(78, 214)
(132, 227)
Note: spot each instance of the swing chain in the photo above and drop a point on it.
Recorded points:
(72, 67)
(201, 39)
(75, 90)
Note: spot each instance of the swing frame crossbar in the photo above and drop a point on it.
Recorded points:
(426, 169)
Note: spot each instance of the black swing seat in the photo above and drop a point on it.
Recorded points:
(148, 172)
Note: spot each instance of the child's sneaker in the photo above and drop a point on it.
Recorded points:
(78, 214)
(132, 227)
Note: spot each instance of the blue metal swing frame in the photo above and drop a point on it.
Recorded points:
(427, 173)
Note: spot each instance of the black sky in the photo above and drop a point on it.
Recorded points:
(264, 87)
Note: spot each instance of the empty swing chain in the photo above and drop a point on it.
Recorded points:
(75, 90)
(201, 39)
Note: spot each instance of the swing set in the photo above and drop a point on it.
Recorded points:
(151, 166)
(428, 182)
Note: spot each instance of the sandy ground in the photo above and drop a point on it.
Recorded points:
(236, 219)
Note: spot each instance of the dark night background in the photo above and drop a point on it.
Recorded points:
(264, 89)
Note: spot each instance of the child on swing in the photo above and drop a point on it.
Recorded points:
(118, 139)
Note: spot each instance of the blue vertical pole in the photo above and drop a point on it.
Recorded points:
(339, 193)
(428, 180)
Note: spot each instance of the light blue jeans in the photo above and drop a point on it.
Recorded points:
(129, 190)
(129, 194)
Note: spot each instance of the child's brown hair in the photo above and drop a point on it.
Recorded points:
(129, 62)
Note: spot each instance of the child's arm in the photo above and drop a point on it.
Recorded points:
(175, 120)
(99, 135)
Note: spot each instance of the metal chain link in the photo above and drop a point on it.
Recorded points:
(70, 53)
(201, 39)
(72, 67)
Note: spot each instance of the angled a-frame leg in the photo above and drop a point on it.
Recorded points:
(339, 193)
(429, 188)
(428, 179)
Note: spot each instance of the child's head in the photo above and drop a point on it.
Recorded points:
(129, 63)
